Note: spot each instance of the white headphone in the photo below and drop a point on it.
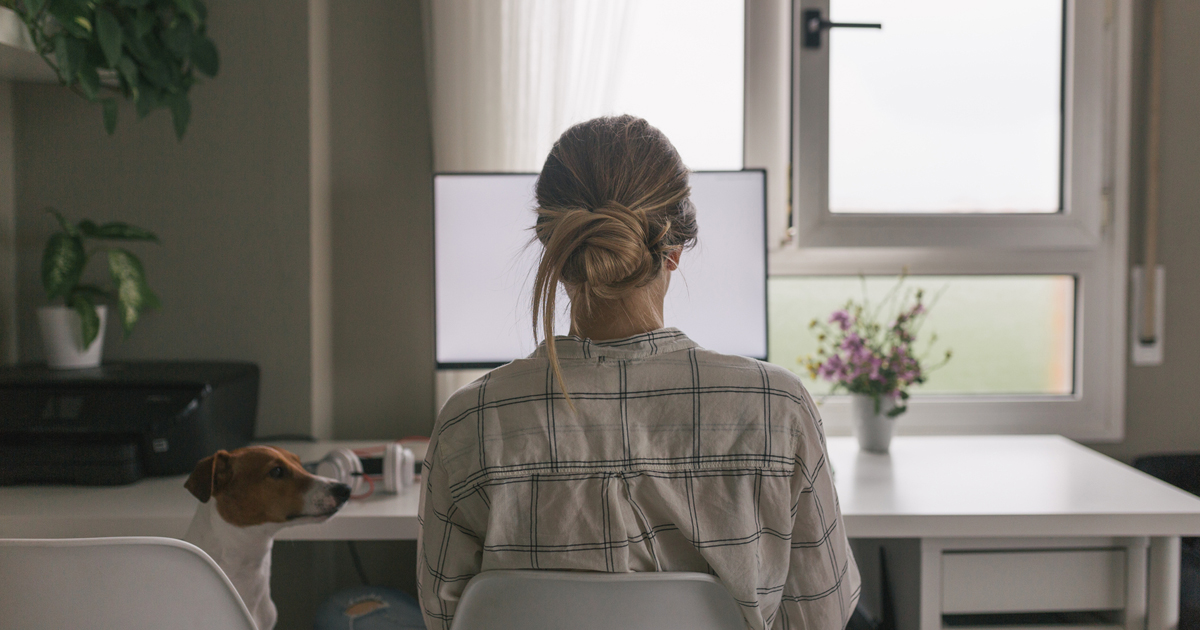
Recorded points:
(345, 466)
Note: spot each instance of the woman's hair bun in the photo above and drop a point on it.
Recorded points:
(613, 254)
(612, 204)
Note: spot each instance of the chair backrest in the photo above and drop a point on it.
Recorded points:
(137, 582)
(579, 600)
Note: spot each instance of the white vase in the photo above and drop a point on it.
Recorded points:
(62, 336)
(874, 430)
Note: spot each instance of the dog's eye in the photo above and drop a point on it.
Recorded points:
(276, 472)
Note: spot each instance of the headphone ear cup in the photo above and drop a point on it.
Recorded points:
(392, 459)
(408, 467)
(341, 464)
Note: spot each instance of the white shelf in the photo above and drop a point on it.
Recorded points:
(18, 59)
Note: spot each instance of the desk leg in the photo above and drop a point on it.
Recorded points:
(1162, 597)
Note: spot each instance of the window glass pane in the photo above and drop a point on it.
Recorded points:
(682, 70)
(1008, 334)
(953, 107)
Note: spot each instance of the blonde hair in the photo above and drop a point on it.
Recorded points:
(612, 204)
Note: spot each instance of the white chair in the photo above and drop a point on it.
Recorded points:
(578, 600)
(128, 583)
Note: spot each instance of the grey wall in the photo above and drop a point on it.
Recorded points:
(8, 225)
(382, 233)
(382, 222)
(1162, 408)
(230, 204)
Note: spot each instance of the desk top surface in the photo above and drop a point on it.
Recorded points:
(993, 486)
(988, 486)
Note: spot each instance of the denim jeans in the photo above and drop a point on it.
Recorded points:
(369, 608)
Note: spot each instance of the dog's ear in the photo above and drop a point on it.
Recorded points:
(210, 474)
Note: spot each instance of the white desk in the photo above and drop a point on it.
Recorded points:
(1002, 486)
(1009, 524)
(939, 506)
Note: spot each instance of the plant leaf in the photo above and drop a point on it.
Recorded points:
(188, 8)
(116, 230)
(132, 38)
(133, 294)
(110, 115)
(128, 69)
(181, 111)
(108, 31)
(133, 4)
(178, 38)
(205, 57)
(76, 51)
(62, 58)
(72, 18)
(143, 23)
(62, 264)
(146, 99)
(34, 7)
(157, 71)
(89, 81)
(86, 309)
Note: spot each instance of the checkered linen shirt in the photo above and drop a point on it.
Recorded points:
(675, 459)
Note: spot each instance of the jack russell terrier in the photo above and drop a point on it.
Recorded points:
(256, 491)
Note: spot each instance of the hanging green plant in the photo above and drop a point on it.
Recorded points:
(145, 50)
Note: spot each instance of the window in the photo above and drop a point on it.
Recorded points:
(1011, 335)
(941, 112)
(981, 146)
(681, 69)
(507, 78)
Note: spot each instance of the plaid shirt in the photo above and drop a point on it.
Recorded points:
(675, 459)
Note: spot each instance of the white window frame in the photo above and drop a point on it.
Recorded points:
(1087, 240)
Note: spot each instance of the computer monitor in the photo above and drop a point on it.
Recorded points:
(486, 258)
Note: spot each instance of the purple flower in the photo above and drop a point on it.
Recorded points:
(831, 368)
(841, 318)
(876, 363)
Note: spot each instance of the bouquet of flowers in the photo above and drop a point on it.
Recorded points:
(872, 351)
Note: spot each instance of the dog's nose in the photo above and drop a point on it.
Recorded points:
(341, 492)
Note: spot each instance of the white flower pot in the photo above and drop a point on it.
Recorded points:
(874, 430)
(62, 336)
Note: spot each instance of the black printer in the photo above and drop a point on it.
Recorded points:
(121, 421)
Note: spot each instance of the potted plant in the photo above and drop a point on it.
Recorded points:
(146, 51)
(72, 331)
(870, 354)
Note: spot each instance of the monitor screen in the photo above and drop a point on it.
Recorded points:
(486, 258)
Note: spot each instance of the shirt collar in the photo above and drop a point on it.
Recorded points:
(639, 346)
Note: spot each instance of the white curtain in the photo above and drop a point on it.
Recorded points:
(506, 77)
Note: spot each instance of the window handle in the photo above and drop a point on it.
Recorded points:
(815, 23)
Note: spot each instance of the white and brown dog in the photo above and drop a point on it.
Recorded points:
(256, 491)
